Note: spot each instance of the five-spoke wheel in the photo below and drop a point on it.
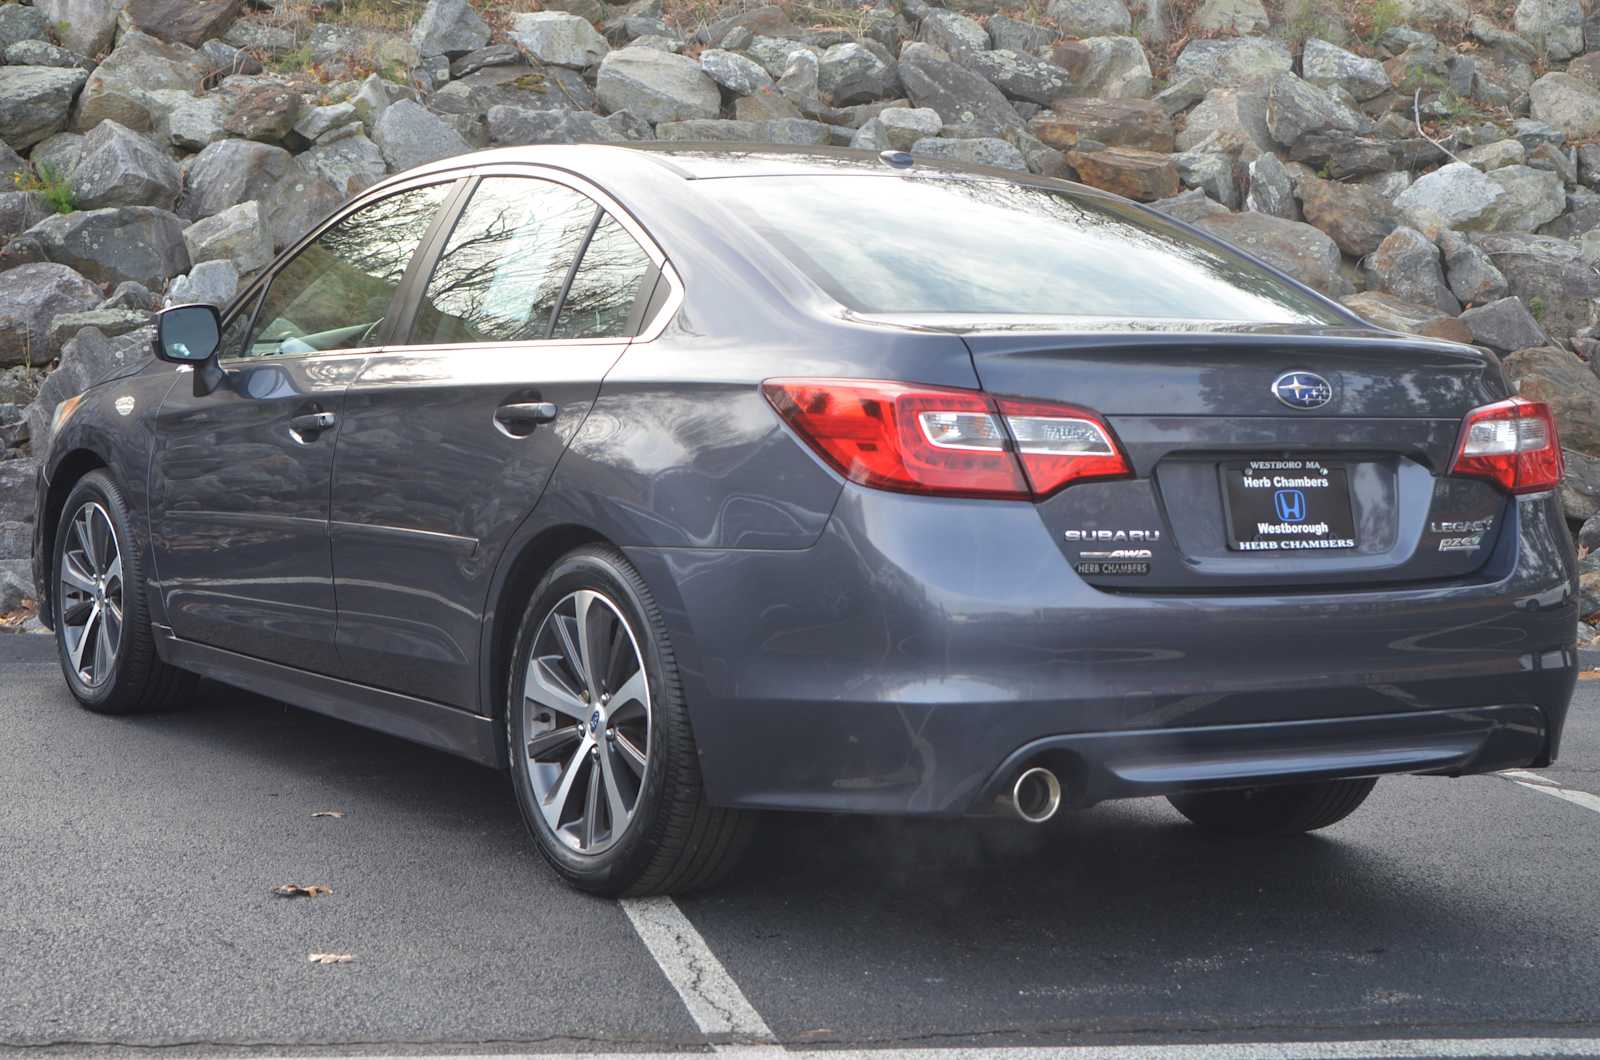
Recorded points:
(586, 703)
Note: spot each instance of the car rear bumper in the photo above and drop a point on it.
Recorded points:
(925, 650)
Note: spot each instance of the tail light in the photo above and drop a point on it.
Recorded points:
(938, 440)
(1513, 444)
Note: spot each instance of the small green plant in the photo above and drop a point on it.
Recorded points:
(1384, 16)
(43, 179)
(1536, 307)
(290, 62)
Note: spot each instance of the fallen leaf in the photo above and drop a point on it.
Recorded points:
(331, 958)
(301, 890)
(327, 813)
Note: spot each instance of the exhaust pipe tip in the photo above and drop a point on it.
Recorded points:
(1036, 795)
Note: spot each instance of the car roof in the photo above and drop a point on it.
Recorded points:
(703, 161)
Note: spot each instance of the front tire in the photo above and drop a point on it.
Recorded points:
(602, 756)
(103, 636)
(1276, 811)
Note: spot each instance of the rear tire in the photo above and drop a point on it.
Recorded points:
(1275, 811)
(631, 818)
(102, 624)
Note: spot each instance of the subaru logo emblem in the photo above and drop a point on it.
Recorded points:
(1291, 505)
(594, 722)
(1302, 390)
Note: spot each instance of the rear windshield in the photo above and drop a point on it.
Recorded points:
(906, 244)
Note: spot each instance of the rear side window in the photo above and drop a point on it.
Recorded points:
(600, 302)
(501, 273)
(909, 244)
(335, 293)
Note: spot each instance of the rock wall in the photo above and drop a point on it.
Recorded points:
(1435, 169)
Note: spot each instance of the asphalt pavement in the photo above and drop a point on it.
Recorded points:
(137, 858)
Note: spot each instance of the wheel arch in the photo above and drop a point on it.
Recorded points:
(525, 562)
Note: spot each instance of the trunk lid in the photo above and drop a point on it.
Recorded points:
(1235, 489)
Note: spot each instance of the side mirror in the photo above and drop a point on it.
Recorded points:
(188, 334)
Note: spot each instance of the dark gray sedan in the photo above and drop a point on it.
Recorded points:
(685, 484)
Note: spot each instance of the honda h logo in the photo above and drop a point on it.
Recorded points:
(1291, 506)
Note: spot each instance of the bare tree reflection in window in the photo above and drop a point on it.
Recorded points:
(335, 293)
(603, 290)
(500, 275)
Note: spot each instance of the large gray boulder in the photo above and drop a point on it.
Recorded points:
(1090, 18)
(1553, 26)
(410, 135)
(1550, 276)
(31, 296)
(123, 88)
(86, 26)
(297, 203)
(237, 234)
(897, 129)
(549, 88)
(977, 151)
(559, 38)
(1295, 108)
(1020, 76)
(1357, 217)
(229, 172)
(109, 322)
(1237, 120)
(1471, 274)
(21, 210)
(449, 27)
(1233, 62)
(209, 283)
(955, 33)
(35, 102)
(1330, 66)
(735, 73)
(192, 123)
(259, 108)
(1304, 252)
(656, 86)
(19, 23)
(191, 22)
(516, 126)
(1271, 188)
(852, 73)
(351, 163)
(961, 97)
(1463, 197)
(1533, 197)
(141, 243)
(119, 167)
(1504, 326)
(1111, 67)
(1407, 265)
(1568, 103)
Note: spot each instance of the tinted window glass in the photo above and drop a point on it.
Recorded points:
(335, 292)
(604, 287)
(501, 272)
(978, 247)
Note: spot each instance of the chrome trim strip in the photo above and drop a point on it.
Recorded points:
(464, 546)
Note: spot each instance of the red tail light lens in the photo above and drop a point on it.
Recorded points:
(938, 440)
(1513, 444)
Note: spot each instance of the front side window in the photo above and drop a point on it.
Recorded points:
(500, 275)
(600, 301)
(335, 293)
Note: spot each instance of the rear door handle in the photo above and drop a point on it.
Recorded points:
(524, 416)
(312, 422)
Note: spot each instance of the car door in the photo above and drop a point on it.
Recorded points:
(240, 480)
(446, 441)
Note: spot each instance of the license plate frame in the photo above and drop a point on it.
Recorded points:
(1276, 506)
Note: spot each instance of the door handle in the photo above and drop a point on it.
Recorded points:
(312, 422)
(526, 415)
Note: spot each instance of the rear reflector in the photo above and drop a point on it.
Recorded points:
(938, 440)
(1513, 444)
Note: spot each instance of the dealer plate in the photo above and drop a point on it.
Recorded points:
(1300, 505)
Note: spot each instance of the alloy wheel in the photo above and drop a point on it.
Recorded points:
(91, 594)
(586, 715)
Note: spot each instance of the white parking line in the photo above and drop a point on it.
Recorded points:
(1379, 1049)
(1545, 786)
(715, 1002)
